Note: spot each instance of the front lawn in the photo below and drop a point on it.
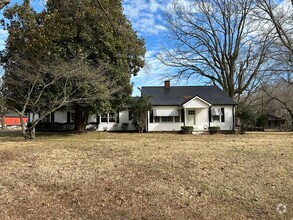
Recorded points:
(146, 176)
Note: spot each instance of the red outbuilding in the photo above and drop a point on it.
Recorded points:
(13, 120)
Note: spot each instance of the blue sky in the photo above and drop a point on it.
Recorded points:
(147, 18)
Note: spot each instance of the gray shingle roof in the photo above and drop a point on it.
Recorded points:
(178, 95)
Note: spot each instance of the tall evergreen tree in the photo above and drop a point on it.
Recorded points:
(95, 33)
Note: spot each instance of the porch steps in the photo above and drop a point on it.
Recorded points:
(198, 132)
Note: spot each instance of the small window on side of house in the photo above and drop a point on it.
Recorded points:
(47, 118)
(72, 119)
(157, 119)
(216, 118)
(104, 118)
(111, 117)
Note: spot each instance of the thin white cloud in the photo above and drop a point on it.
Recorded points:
(154, 5)
(146, 15)
(153, 74)
(185, 5)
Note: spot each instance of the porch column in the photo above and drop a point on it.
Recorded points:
(210, 115)
(185, 116)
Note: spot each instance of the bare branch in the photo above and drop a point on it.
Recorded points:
(217, 40)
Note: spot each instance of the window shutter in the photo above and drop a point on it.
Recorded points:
(182, 115)
(68, 117)
(151, 116)
(210, 114)
(52, 116)
(130, 116)
(98, 119)
(223, 115)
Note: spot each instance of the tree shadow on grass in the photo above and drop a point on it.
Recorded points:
(16, 135)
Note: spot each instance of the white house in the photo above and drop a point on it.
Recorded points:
(198, 106)
(173, 106)
(114, 121)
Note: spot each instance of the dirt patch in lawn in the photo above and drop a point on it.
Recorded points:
(147, 176)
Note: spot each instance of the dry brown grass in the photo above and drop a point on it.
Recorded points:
(146, 176)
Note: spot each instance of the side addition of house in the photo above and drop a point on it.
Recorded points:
(198, 106)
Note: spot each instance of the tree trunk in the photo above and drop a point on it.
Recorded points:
(32, 132)
(23, 130)
(29, 133)
(2, 121)
(291, 115)
(85, 119)
(81, 119)
(78, 118)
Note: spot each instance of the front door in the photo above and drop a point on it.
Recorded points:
(191, 117)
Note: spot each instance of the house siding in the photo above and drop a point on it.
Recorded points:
(113, 126)
(60, 117)
(202, 119)
(167, 126)
(228, 124)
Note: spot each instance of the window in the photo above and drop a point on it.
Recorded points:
(157, 119)
(47, 118)
(191, 112)
(216, 118)
(104, 118)
(218, 114)
(72, 117)
(111, 117)
(177, 119)
(166, 119)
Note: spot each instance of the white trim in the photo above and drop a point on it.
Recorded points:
(197, 97)
(166, 112)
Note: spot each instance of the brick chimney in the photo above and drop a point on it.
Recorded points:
(167, 84)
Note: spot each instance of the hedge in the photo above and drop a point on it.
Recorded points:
(186, 130)
(214, 130)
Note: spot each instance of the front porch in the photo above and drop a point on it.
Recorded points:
(196, 113)
(198, 118)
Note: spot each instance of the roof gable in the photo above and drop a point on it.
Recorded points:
(197, 102)
(179, 95)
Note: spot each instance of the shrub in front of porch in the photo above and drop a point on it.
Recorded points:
(214, 130)
(186, 129)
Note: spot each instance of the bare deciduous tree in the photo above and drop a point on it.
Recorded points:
(41, 88)
(217, 40)
(278, 16)
(281, 93)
